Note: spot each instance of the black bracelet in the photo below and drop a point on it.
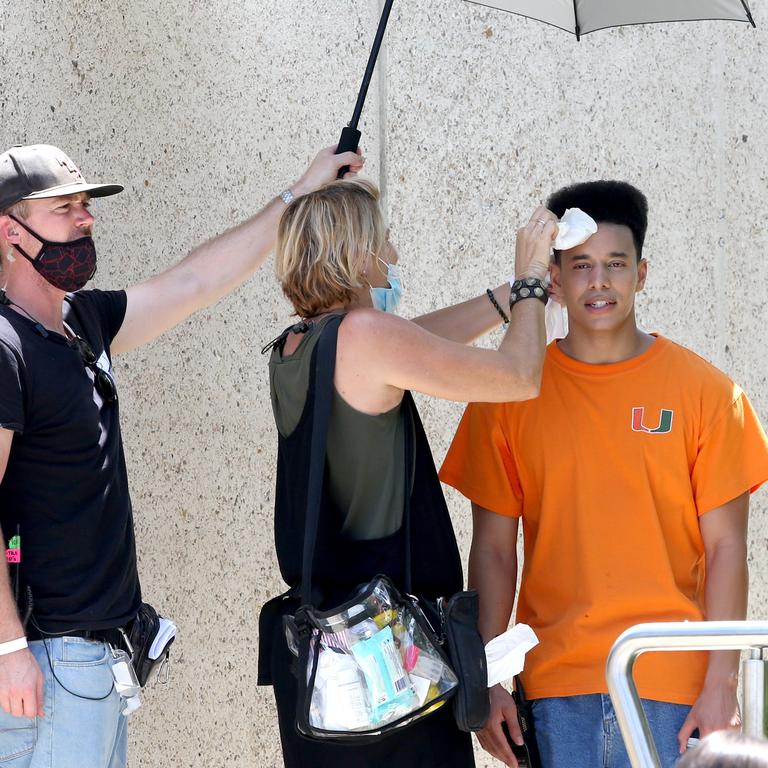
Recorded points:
(496, 304)
(530, 288)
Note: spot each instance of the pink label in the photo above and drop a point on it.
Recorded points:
(411, 657)
(13, 555)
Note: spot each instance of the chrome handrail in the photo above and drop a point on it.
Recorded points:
(678, 636)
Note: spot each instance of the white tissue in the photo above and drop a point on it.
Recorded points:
(555, 321)
(505, 654)
(575, 228)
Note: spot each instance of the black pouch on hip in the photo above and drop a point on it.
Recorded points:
(143, 632)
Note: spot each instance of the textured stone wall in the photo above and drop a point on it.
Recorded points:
(205, 110)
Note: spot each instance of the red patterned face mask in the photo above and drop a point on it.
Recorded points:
(66, 266)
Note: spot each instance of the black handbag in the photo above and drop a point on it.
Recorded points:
(390, 663)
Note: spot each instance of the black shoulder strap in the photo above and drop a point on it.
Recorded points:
(325, 365)
(409, 427)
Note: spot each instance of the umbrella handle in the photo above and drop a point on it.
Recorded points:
(350, 138)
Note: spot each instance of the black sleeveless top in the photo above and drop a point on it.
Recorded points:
(342, 563)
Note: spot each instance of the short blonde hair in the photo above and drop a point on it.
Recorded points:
(324, 243)
(20, 210)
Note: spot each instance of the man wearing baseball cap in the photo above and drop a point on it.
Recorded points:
(71, 587)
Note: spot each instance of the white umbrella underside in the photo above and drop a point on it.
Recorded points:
(583, 16)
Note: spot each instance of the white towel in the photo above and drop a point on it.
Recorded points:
(574, 228)
(505, 654)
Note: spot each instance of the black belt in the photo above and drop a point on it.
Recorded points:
(112, 636)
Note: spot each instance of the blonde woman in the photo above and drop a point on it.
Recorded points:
(334, 258)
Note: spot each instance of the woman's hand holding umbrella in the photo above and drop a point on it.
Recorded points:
(325, 168)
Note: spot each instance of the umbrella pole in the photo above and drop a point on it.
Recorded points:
(749, 13)
(350, 135)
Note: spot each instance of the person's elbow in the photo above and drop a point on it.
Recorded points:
(533, 384)
(196, 290)
(728, 549)
(527, 383)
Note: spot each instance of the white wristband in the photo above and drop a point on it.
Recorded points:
(13, 645)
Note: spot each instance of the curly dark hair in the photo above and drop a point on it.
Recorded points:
(608, 202)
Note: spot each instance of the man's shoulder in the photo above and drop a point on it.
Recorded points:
(95, 307)
(9, 333)
(695, 369)
(95, 298)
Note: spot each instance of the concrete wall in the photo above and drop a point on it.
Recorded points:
(206, 110)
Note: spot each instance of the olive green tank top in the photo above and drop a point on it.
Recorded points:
(365, 454)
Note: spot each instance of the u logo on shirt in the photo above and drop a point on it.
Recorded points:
(664, 426)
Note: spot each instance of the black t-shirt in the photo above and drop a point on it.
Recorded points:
(65, 490)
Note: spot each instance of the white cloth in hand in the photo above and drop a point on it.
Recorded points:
(505, 654)
(575, 228)
(555, 321)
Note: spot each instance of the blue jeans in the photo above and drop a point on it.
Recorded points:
(582, 731)
(75, 732)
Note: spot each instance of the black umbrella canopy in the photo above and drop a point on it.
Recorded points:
(582, 16)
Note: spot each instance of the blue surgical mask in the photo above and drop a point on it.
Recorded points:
(388, 299)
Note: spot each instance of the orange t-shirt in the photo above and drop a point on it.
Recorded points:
(609, 469)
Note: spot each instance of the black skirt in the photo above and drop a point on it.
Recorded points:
(434, 742)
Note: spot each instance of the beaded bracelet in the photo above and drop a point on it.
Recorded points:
(496, 304)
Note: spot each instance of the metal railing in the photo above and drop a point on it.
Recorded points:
(685, 636)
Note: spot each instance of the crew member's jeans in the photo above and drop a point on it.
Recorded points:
(75, 732)
(582, 731)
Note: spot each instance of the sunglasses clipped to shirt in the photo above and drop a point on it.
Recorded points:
(103, 381)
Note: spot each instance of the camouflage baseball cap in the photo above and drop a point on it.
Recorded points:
(40, 170)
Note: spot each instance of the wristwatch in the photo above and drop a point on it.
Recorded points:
(529, 288)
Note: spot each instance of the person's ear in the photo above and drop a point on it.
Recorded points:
(555, 289)
(555, 276)
(9, 230)
(642, 274)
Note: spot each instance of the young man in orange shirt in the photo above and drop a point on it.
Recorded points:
(632, 474)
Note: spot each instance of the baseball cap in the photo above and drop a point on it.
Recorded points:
(40, 170)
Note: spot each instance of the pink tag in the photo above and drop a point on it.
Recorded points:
(411, 657)
(13, 555)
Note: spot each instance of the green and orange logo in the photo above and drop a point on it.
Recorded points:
(664, 426)
(13, 553)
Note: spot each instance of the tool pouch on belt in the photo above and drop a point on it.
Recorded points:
(143, 632)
